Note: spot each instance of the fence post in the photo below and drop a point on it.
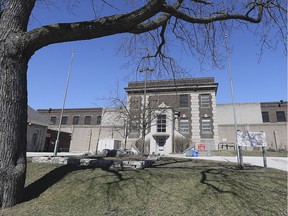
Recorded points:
(264, 156)
(241, 157)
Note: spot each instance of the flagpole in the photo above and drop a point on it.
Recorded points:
(232, 95)
(63, 106)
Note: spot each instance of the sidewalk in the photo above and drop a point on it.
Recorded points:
(280, 163)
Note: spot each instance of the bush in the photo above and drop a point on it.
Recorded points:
(181, 144)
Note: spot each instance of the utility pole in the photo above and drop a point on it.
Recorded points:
(64, 101)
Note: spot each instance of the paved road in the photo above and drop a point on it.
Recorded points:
(272, 162)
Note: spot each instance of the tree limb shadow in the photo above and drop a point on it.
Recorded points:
(38, 187)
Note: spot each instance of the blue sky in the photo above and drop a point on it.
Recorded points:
(97, 70)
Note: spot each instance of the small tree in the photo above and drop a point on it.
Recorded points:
(181, 144)
(140, 119)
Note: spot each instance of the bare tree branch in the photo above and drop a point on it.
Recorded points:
(204, 20)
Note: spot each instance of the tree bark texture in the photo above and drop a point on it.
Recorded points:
(13, 101)
(13, 118)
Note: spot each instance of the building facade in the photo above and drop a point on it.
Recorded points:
(85, 127)
(269, 117)
(37, 127)
(163, 117)
(166, 111)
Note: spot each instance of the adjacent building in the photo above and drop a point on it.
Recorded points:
(83, 128)
(37, 127)
(269, 117)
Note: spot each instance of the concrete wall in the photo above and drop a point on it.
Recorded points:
(246, 113)
(85, 138)
(276, 134)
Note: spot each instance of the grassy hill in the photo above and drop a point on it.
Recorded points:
(171, 187)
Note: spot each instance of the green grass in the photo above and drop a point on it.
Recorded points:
(171, 187)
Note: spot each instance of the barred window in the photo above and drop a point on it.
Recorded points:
(184, 126)
(53, 119)
(161, 123)
(265, 117)
(206, 125)
(205, 101)
(98, 120)
(134, 127)
(280, 116)
(87, 120)
(184, 100)
(64, 120)
(75, 120)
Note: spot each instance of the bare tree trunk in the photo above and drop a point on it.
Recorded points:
(13, 119)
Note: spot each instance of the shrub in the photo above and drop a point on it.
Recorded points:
(181, 144)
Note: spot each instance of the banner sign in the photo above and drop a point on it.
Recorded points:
(251, 139)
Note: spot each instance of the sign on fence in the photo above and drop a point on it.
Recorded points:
(251, 139)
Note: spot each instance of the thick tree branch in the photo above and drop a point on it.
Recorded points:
(156, 23)
(151, 25)
(105, 26)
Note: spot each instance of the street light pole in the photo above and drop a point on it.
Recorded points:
(64, 101)
(146, 69)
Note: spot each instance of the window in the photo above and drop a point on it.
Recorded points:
(265, 117)
(184, 126)
(134, 127)
(206, 125)
(205, 101)
(35, 137)
(161, 143)
(87, 120)
(98, 120)
(161, 123)
(184, 100)
(75, 120)
(280, 116)
(53, 119)
(64, 120)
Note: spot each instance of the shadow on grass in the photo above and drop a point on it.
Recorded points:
(38, 187)
(215, 179)
(224, 171)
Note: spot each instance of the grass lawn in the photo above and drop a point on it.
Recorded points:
(171, 187)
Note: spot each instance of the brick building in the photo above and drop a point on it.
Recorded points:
(170, 111)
